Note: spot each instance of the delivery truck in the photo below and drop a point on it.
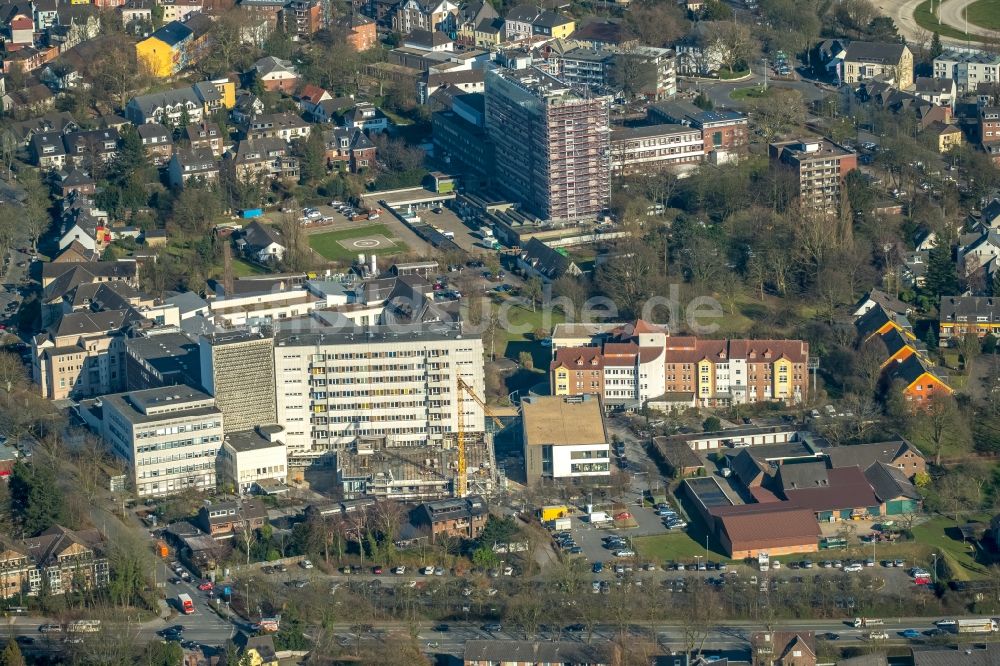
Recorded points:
(864, 622)
(552, 512)
(185, 603)
(975, 625)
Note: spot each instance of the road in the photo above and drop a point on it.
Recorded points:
(951, 13)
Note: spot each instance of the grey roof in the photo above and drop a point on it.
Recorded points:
(251, 440)
(174, 355)
(207, 91)
(973, 308)
(201, 160)
(473, 505)
(802, 476)
(173, 33)
(135, 405)
(187, 301)
(523, 14)
(269, 64)
(884, 52)
(864, 455)
(86, 323)
(745, 466)
(42, 140)
(150, 130)
(148, 104)
(889, 303)
(261, 235)
(982, 654)
(550, 19)
(929, 84)
(534, 652)
(890, 482)
(646, 131)
(545, 260)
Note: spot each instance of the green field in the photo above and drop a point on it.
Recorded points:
(328, 245)
(680, 547)
(750, 92)
(985, 14)
(922, 15)
(243, 268)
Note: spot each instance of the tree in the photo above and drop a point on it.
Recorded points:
(533, 290)
(484, 558)
(498, 531)
(941, 278)
(712, 424)
(969, 348)
(311, 152)
(8, 149)
(735, 44)
(159, 653)
(11, 655)
(36, 498)
(938, 426)
(117, 72)
(936, 48)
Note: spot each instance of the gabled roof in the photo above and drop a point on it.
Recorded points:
(523, 14)
(547, 261)
(910, 370)
(259, 235)
(150, 130)
(148, 104)
(760, 526)
(53, 542)
(746, 468)
(870, 322)
(86, 323)
(883, 52)
(865, 455)
(270, 64)
(888, 303)
(890, 482)
(799, 476)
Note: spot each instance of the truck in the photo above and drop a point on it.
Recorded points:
(861, 622)
(553, 511)
(161, 548)
(250, 213)
(83, 626)
(487, 233)
(561, 524)
(185, 602)
(975, 625)
(763, 561)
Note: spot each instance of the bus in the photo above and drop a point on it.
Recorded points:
(83, 626)
(187, 606)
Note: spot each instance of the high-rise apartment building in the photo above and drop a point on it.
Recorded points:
(337, 385)
(819, 165)
(552, 143)
(968, 70)
(237, 367)
(169, 437)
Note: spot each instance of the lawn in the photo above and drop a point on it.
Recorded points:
(243, 268)
(679, 547)
(985, 14)
(750, 92)
(328, 245)
(922, 15)
(938, 534)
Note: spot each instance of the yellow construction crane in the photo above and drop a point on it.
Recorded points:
(463, 479)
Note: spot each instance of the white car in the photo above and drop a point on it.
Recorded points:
(399, 571)
(878, 636)
(306, 564)
(508, 571)
(854, 568)
(428, 571)
(775, 564)
(624, 553)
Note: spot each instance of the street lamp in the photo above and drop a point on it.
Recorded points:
(934, 570)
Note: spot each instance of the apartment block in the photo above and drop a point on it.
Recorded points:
(603, 68)
(552, 143)
(819, 165)
(57, 561)
(564, 438)
(337, 384)
(237, 368)
(968, 70)
(640, 363)
(722, 132)
(655, 147)
(168, 437)
(83, 355)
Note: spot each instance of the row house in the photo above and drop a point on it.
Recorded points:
(642, 363)
(56, 561)
(471, 16)
(88, 149)
(173, 108)
(526, 21)
(961, 315)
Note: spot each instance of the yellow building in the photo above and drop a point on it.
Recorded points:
(948, 136)
(163, 52)
(552, 24)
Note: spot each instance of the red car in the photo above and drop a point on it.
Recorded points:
(377, 570)
(206, 586)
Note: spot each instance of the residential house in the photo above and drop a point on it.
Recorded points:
(285, 126)
(29, 101)
(600, 32)
(224, 520)
(48, 150)
(75, 180)
(301, 18)
(168, 50)
(978, 252)
(519, 22)
(180, 10)
(877, 297)
(172, 108)
(470, 16)
(60, 122)
(920, 382)
(350, 147)
(258, 650)
(205, 136)
(157, 141)
(366, 116)
(968, 69)
(265, 158)
(426, 40)
(427, 15)
(940, 91)
(552, 24)
(462, 518)
(783, 648)
(310, 96)
(946, 136)
(700, 53)
(865, 61)
(263, 242)
(276, 75)
(247, 106)
(86, 149)
(539, 260)
(899, 454)
(55, 562)
(360, 31)
(186, 164)
(961, 315)
(989, 131)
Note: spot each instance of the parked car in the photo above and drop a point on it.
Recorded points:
(306, 564)
(492, 627)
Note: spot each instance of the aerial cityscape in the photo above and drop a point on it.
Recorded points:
(468, 332)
